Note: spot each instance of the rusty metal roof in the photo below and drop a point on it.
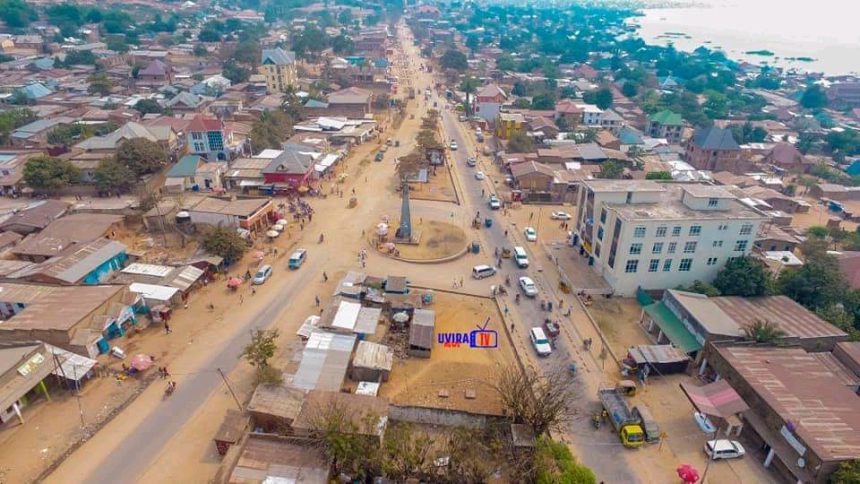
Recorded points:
(802, 390)
(789, 316)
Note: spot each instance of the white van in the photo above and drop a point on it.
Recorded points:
(521, 258)
(482, 271)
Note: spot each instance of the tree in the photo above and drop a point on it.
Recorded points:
(225, 242)
(816, 284)
(111, 176)
(17, 14)
(658, 175)
(344, 17)
(541, 401)
(272, 129)
(100, 84)
(236, 73)
(78, 58)
(50, 173)
(519, 89)
(553, 463)
(262, 346)
(602, 97)
(611, 169)
(209, 35)
(200, 50)
(544, 101)
(630, 89)
(469, 85)
(141, 156)
(743, 276)
(342, 431)
(814, 97)
(700, 287)
(505, 62)
(454, 59)
(520, 143)
(342, 45)
(818, 232)
(762, 331)
(146, 106)
(473, 43)
(247, 51)
(847, 473)
(117, 44)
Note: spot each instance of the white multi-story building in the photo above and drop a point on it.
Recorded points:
(661, 235)
(591, 114)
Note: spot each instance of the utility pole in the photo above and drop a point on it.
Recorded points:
(226, 382)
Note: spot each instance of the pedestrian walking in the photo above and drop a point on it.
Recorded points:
(325, 277)
(241, 299)
(310, 216)
(166, 373)
(301, 226)
(253, 290)
(167, 329)
(506, 232)
(507, 311)
(461, 281)
(317, 300)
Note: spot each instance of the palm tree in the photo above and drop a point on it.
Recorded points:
(469, 85)
(763, 331)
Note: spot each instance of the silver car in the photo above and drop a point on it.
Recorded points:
(528, 286)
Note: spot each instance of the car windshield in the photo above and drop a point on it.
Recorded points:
(261, 273)
(541, 341)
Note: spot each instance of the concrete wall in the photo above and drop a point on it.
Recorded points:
(438, 416)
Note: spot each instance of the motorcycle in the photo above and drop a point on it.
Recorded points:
(507, 280)
(596, 420)
(322, 238)
(171, 387)
(517, 299)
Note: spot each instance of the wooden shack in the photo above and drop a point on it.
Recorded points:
(231, 431)
(421, 333)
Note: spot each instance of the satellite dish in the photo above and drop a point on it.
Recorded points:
(801, 462)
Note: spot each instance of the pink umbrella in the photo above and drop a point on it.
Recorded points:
(259, 254)
(234, 282)
(141, 362)
(688, 473)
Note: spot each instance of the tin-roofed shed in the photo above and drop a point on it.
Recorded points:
(421, 333)
(372, 362)
(274, 407)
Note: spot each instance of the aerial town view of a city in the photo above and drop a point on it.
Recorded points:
(429, 241)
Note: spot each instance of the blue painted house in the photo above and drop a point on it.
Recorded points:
(90, 264)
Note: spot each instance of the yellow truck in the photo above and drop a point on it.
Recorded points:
(625, 423)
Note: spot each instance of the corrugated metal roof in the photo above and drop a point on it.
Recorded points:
(325, 360)
(373, 355)
(147, 269)
(798, 387)
(422, 328)
(792, 318)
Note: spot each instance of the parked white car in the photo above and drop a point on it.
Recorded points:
(479, 175)
(528, 286)
(724, 449)
(560, 216)
(531, 234)
(453, 146)
(495, 204)
(540, 341)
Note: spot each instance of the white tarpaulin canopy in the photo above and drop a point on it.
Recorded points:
(347, 315)
(152, 292)
(311, 323)
(326, 163)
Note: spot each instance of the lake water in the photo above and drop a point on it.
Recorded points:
(826, 30)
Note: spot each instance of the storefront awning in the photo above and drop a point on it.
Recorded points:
(718, 399)
(673, 328)
(72, 366)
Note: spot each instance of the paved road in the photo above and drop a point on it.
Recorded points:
(598, 450)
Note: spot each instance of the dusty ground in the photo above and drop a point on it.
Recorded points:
(417, 381)
(818, 215)
(439, 188)
(617, 319)
(437, 240)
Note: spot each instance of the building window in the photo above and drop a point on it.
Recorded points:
(657, 248)
(690, 247)
(741, 245)
(723, 227)
(196, 135)
(672, 246)
(712, 261)
(695, 230)
(667, 265)
(603, 215)
(713, 202)
(600, 233)
(718, 243)
(629, 197)
(676, 231)
(639, 232)
(632, 265)
(635, 249)
(746, 229)
(654, 265)
(661, 231)
(685, 265)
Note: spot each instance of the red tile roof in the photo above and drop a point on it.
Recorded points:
(202, 123)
